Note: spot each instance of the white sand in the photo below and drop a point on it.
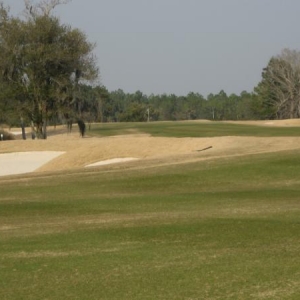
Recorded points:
(111, 161)
(16, 132)
(25, 162)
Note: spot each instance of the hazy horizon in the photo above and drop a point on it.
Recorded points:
(182, 46)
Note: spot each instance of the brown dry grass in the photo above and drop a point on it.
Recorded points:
(83, 151)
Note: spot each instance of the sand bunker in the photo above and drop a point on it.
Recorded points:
(111, 161)
(45, 155)
(25, 162)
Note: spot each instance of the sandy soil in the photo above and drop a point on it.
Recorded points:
(272, 123)
(111, 161)
(80, 152)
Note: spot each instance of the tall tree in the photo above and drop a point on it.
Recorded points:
(280, 85)
(45, 59)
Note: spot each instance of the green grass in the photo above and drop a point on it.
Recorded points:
(222, 229)
(192, 129)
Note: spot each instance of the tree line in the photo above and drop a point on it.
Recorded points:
(100, 105)
(49, 75)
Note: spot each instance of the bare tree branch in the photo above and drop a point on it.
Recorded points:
(44, 7)
(283, 78)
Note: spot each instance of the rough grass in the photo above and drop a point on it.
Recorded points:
(222, 229)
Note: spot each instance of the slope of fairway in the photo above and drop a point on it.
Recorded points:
(223, 228)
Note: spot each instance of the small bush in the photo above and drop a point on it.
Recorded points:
(6, 136)
(81, 126)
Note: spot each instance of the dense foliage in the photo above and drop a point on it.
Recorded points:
(137, 107)
(41, 65)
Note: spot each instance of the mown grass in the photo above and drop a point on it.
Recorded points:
(192, 129)
(223, 229)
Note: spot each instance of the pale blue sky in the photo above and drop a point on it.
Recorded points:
(182, 46)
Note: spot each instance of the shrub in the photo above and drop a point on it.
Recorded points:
(81, 126)
(6, 136)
